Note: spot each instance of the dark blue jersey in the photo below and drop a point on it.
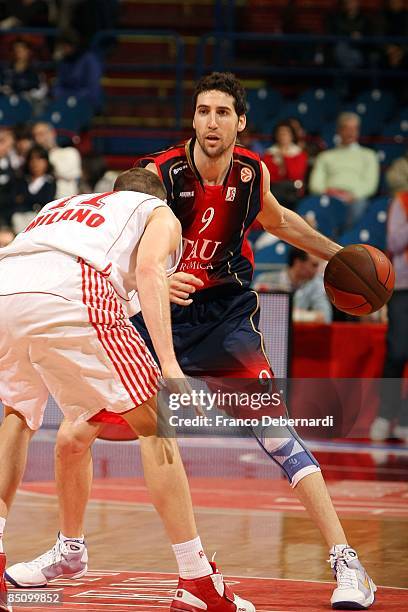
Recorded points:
(214, 219)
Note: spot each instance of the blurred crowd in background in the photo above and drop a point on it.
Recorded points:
(323, 158)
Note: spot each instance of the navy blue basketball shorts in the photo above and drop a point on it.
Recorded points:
(217, 335)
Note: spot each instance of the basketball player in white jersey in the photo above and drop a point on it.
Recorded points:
(68, 284)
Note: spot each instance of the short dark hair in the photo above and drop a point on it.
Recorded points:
(141, 180)
(23, 131)
(227, 83)
(22, 41)
(295, 254)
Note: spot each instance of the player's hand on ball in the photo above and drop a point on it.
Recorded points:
(181, 285)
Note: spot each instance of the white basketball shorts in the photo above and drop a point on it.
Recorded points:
(64, 331)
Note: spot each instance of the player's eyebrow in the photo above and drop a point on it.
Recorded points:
(205, 106)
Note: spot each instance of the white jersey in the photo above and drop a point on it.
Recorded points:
(102, 229)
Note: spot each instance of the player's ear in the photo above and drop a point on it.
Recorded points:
(241, 123)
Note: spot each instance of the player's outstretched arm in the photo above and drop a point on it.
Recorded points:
(160, 239)
(290, 227)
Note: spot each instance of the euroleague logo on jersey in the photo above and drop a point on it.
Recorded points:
(246, 174)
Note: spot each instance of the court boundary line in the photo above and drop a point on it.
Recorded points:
(234, 576)
(370, 513)
(48, 434)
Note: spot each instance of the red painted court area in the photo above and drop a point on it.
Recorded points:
(148, 592)
(354, 497)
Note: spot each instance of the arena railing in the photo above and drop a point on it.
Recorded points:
(224, 55)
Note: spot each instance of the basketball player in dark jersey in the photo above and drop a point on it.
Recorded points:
(217, 189)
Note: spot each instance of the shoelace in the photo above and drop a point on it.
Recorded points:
(49, 557)
(346, 577)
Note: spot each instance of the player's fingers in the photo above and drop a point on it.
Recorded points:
(187, 278)
(180, 294)
(181, 286)
(180, 301)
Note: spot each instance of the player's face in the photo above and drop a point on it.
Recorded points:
(216, 122)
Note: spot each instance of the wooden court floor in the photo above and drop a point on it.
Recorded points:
(256, 527)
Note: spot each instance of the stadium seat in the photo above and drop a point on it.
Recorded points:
(321, 102)
(379, 206)
(371, 121)
(70, 113)
(270, 256)
(14, 109)
(381, 103)
(310, 119)
(371, 229)
(389, 151)
(328, 134)
(403, 114)
(397, 129)
(326, 213)
(262, 104)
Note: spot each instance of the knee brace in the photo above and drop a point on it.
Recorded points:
(289, 452)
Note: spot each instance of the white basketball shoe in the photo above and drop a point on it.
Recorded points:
(67, 559)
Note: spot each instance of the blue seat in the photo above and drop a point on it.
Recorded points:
(307, 113)
(378, 206)
(262, 104)
(70, 113)
(371, 121)
(378, 101)
(286, 110)
(271, 255)
(328, 134)
(376, 236)
(389, 151)
(403, 114)
(326, 213)
(14, 109)
(323, 102)
(396, 129)
(372, 227)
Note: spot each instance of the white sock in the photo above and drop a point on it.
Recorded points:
(2, 526)
(191, 559)
(79, 539)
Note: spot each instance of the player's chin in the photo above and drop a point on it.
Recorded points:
(214, 150)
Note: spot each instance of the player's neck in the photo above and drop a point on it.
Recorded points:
(212, 170)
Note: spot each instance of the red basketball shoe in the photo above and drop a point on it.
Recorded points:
(208, 593)
(4, 607)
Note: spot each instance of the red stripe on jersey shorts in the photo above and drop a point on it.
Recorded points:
(64, 330)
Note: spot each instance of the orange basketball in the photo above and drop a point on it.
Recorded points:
(359, 279)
